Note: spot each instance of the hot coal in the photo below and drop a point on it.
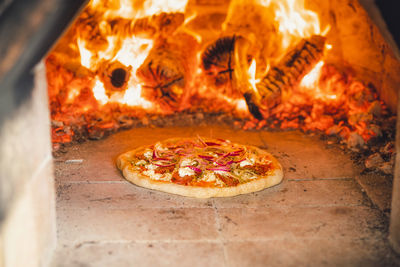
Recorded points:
(374, 161)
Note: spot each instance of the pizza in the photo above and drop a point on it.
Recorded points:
(201, 167)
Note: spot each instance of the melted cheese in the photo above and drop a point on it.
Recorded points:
(247, 162)
(209, 177)
(219, 182)
(186, 171)
(158, 176)
(187, 162)
(148, 154)
(141, 162)
(151, 167)
(153, 175)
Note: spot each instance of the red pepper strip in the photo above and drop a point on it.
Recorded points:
(209, 158)
(228, 180)
(181, 180)
(212, 144)
(220, 164)
(179, 149)
(226, 155)
(156, 154)
(229, 162)
(219, 169)
(164, 157)
(193, 168)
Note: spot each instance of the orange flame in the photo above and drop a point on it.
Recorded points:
(294, 20)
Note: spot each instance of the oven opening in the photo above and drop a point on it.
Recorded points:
(314, 83)
(282, 67)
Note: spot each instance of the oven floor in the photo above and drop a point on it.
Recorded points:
(324, 213)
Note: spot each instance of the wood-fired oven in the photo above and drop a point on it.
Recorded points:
(314, 82)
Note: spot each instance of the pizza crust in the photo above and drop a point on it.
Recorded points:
(274, 178)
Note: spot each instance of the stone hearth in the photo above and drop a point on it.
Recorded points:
(324, 213)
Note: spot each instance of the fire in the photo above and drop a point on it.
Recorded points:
(252, 74)
(312, 78)
(99, 92)
(125, 60)
(294, 20)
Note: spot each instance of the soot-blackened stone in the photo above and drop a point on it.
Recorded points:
(118, 77)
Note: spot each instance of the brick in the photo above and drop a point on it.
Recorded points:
(378, 188)
(30, 227)
(120, 196)
(191, 254)
(97, 224)
(313, 193)
(307, 157)
(299, 222)
(311, 252)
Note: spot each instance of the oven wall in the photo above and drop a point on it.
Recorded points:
(27, 195)
(28, 29)
(361, 42)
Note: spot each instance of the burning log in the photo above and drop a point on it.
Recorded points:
(148, 27)
(226, 63)
(166, 70)
(115, 76)
(163, 75)
(285, 75)
(218, 60)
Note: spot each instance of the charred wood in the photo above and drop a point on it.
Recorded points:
(286, 74)
(115, 76)
(166, 69)
(218, 60)
(219, 55)
(163, 75)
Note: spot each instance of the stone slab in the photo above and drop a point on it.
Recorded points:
(30, 228)
(122, 195)
(307, 157)
(311, 252)
(311, 193)
(318, 207)
(121, 225)
(299, 222)
(378, 188)
(190, 254)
